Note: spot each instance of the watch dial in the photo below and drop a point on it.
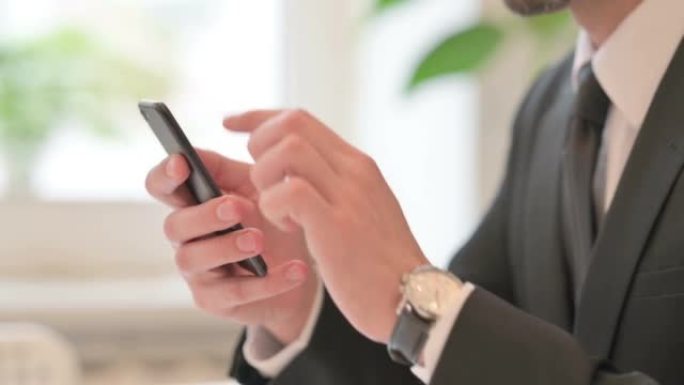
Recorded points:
(428, 292)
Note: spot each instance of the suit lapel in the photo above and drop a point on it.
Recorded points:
(653, 166)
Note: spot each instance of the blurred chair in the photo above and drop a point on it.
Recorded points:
(36, 355)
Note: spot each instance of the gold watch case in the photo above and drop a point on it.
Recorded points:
(427, 290)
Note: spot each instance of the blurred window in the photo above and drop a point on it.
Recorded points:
(205, 58)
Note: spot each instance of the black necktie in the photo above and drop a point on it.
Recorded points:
(579, 164)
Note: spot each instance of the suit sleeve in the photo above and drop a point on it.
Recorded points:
(493, 342)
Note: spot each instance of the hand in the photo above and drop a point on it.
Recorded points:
(282, 300)
(310, 179)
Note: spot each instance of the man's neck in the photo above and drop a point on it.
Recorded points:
(600, 18)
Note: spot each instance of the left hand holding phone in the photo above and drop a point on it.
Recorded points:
(280, 301)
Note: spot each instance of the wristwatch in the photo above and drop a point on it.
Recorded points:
(426, 293)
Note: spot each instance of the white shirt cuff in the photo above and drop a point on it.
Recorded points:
(439, 335)
(267, 355)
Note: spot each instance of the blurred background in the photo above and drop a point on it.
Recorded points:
(88, 291)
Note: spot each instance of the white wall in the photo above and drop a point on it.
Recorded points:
(319, 53)
(425, 142)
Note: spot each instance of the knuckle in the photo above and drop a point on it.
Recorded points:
(293, 145)
(367, 162)
(170, 228)
(300, 112)
(183, 260)
(257, 176)
(366, 168)
(202, 300)
(294, 119)
(297, 187)
(267, 205)
(149, 182)
(253, 145)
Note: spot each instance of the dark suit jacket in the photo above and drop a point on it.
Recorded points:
(522, 324)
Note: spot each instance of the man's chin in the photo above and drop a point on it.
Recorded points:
(536, 7)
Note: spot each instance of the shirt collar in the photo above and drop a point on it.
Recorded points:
(632, 62)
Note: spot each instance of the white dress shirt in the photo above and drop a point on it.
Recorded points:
(629, 66)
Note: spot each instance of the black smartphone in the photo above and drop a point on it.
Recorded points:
(200, 184)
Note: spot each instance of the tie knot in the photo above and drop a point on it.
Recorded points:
(592, 102)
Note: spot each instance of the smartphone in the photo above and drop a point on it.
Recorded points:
(200, 184)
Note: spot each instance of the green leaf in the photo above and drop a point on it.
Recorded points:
(67, 74)
(462, 52)
(547, 25)
(382, 5)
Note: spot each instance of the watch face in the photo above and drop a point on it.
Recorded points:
(429, 291)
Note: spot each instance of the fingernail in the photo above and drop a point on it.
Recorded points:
(247, 242)
(295, 273)
(169, 169)
(226, 212)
